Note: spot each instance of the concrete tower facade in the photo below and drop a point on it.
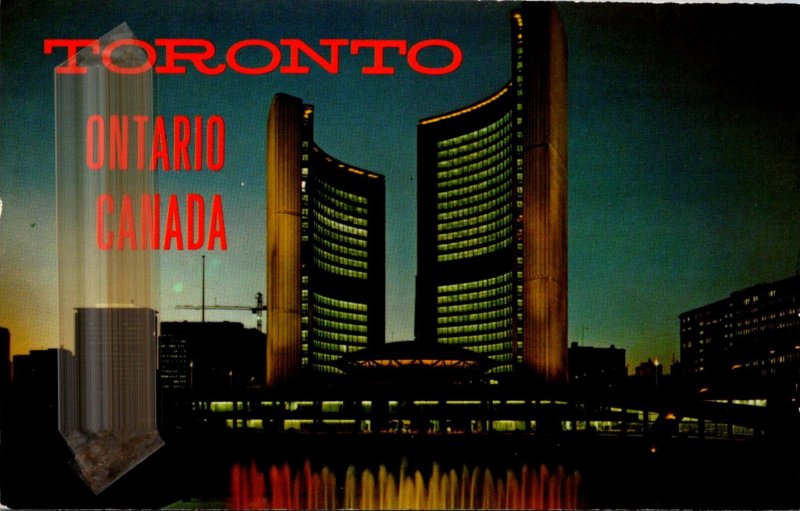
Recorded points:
(284, 128)
(492, 249)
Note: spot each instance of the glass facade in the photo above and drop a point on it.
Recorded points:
(492, 260)
(326, 249)
(474, 170)
(343, 250)
(473, 163)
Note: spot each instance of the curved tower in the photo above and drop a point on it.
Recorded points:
(325, 249)
(492, 212)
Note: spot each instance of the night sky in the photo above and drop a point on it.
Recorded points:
(684, 149)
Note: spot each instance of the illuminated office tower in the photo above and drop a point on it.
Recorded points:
(325, 250)
(492, 199)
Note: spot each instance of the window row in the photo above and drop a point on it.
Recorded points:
(472, 210)
(475, 284)
(320, 310)
(337, 247)
(340, 337)
(472, 135)
(335, 214)
(333, 224)
(339, 304)
(338, 325)
(319, 252)
(489, 326)
(337, 270)
(336, 236)
(504, 290)
(340, 204)
(473, 339)
(500, 347)
(499, 146)
(475, 198)
(488, 315)
(505, 278)
(480, 230)
(503, 132)
(470, 177)
(476, 306)
(331, 347)
(492, 239)
(322, 347)
(319, 368)
(489, 184)
(325, 357)
(334, 255)
(473, 221)
(466, 254)
(468, 164)
(358, 199)
(501, 158)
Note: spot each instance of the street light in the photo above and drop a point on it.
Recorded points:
(656, 363)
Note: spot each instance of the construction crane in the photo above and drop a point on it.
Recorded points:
(258, 310)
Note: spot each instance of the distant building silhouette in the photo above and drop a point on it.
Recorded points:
(326, 237)
(492, 199)
(649, 372)
(753, 335)
(173, 362)
(590, 365)
(211, 356)
(5, 370)
(35, 386)
(31, 448)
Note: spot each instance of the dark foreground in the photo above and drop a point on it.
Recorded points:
(615, 472)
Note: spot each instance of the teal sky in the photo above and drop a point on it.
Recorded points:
(684, 148)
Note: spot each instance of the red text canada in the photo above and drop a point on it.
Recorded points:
(126, 225)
